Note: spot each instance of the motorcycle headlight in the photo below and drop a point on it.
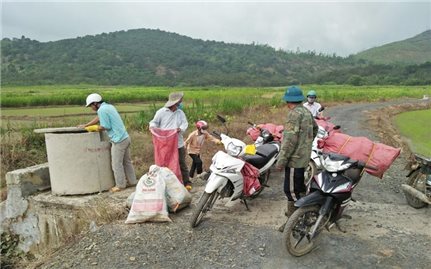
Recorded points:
(233, 150)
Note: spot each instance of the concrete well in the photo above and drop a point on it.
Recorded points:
(79, 161)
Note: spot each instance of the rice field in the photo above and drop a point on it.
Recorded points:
(416, 127)
(57, 95)
(62, 105)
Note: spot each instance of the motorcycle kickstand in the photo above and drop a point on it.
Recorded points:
(246, 205)
(339, 227)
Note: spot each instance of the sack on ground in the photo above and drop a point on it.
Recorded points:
(177, 196)
(149, 202)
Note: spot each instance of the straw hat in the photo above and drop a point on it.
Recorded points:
(174, 98)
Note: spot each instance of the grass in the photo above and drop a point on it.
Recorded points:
(57, 95)
(64, 110)
(415, 126)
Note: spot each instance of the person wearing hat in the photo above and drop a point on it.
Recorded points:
(109, 120)
(312, 105)
(169, 117)
(298, 134)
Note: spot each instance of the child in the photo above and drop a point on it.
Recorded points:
(194, 143)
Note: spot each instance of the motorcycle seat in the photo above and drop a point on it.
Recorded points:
(263, 154)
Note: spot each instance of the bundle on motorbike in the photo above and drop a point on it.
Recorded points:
(326, 128)
(329, 193)
(226, 179)
(418, 186)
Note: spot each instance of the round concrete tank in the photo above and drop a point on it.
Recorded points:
(79, 161)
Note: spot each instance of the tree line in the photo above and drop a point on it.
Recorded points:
(157, 58)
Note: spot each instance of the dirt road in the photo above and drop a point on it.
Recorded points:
(384, 231)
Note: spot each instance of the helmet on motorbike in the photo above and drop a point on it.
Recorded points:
(201, 124)
(312, 93)
(293, 94)
(93, 98)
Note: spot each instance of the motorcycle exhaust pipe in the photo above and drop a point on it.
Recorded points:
(415, 193)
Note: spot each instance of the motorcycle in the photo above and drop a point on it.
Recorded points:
(417, 189)
(226, 180)
(315, 166)
(329, 194)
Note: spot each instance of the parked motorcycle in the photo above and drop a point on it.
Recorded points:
(330, 192)
(418, 186)
(315, 166)
(226, 179)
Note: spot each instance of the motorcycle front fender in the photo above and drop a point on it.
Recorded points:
(215, 182)
(314, 198)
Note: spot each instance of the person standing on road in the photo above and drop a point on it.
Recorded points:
(194, 143)
(110, 120)
(299, 132)
(169, 117)
(311, 104)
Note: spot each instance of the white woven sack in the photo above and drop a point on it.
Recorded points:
(176, 194)
(149, 202)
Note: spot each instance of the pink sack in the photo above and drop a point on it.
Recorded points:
(362, 149)
(251, 180)
(326, 125)
(166, 150)
(275, 130)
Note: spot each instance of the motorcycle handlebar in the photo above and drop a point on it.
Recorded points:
(217, 134)
(251, 123)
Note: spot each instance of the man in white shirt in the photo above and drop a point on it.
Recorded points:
(171, 117)
(312, 105)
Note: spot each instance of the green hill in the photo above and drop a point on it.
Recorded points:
(154, 57)
(415, 50)
(158, 58)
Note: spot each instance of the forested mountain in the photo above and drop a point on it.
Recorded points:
(415, 50)
(155, 57)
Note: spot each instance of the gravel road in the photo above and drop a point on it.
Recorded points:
(384, 231)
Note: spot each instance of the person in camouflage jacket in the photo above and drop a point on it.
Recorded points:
(299, 132)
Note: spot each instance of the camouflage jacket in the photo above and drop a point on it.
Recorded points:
(299, 132)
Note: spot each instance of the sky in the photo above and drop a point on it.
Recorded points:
(340, 27)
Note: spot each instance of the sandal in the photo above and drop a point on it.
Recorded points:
(115, 189)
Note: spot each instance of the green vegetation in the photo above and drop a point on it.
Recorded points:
(415, 126)
(32, 96)
(157, 58)
(415, 50)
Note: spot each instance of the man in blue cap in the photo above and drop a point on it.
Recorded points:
(299, 132)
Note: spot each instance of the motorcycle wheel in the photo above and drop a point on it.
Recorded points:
(263, 179)
(296, 232)
(310, 171)
(205, 203)
(412, 200)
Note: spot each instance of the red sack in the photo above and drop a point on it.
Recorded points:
(251, 179)
(275, 130)
(166, 150)
(326, 125)
(361, 149)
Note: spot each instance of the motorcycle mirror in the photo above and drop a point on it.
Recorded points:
(220, 118)
(216, 134)
(336, 127)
